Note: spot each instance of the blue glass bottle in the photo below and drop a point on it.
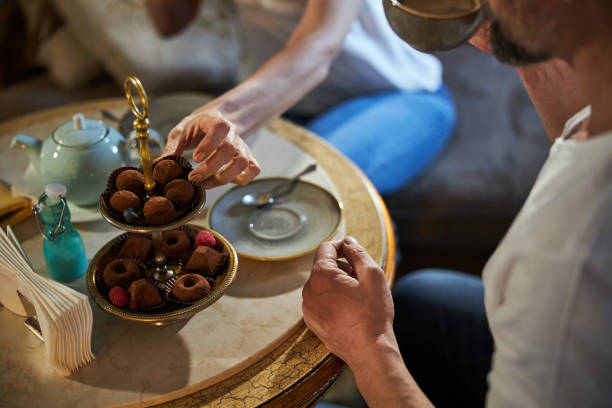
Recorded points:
(62, 246)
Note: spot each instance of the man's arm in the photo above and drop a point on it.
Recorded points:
(349, 307)
(552, 87)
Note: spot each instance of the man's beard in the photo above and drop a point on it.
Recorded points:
(509, 52)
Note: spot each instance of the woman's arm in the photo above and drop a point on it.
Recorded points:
(300, 66)
(216, 129)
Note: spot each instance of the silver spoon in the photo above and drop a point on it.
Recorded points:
(281, 190)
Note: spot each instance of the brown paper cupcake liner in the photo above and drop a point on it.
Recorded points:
(164, 297)
(166, 286)
(187, 167)
(104, 289)
(218, 247)
(106, 196)
(159, 190)
(110, 183)
(183, 258)
(174, 299)
(120, 240)
(99, 273)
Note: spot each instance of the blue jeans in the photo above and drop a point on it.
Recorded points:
(391, 136)
(443, 334)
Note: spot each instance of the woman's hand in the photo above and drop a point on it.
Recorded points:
(224, 156)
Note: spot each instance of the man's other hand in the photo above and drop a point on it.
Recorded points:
(348, 305)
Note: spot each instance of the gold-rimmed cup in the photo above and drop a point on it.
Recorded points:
(434, 25)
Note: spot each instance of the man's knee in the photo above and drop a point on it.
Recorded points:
(425, 286)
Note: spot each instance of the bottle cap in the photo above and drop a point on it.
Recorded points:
(55, 191)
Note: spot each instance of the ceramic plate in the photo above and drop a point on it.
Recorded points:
(292, 228)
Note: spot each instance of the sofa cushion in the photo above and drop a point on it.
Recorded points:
(467, 198)
(120, 35)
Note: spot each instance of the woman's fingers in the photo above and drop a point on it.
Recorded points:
(216, 130)
(227, 173)
(176, 141)
(251, 171)
(248, 174)
(221, 156)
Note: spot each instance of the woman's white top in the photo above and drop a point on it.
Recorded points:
(373, 58)
(548, 287)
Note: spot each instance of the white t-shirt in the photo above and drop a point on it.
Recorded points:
(548, 287)
(373, 58)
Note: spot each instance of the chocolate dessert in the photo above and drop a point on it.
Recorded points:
(124, 199)
(166, 170)
(143, 295)
(179, 191)
(190, 287)
(158, 210)
(206, 260)
(175, 243)
(131, 180)
(137, 247)
(120, 272)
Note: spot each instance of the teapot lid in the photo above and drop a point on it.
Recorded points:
(80, 132)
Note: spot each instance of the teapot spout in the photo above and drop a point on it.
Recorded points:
(31, 146)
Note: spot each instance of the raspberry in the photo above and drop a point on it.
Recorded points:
(206, 238)
(118, 296)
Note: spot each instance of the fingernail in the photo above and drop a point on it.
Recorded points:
(198, 157)
(350, 240)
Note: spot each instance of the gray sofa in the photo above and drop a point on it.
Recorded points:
(454, 215)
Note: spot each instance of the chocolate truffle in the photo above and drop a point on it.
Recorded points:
(175, 243)
(137, 247)
(131, 180)
(124, 199)
(179, 191)
(120, 272)
(206, 260)
(143, 295)
(158, 210)
(166, 170)
(190, 287)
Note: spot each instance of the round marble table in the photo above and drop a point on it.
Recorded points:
(294, 371)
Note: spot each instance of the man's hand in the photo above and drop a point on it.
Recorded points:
(348, 305)
(224, 156)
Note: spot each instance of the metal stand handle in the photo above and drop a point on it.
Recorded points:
(162, 272)
(141, 126)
